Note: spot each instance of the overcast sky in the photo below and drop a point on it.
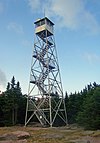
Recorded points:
(77, 36)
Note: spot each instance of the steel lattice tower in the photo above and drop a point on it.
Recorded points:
(45, 99)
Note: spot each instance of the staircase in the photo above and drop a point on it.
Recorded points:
(41, 116)
(40, 57)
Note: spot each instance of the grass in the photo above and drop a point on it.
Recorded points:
(52, 135)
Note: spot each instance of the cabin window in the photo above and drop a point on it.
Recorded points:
(38, 24)
(42, 22)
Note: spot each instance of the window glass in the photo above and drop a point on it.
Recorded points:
(42, 22)
(38, 24)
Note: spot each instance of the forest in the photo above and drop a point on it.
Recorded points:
(83, 108)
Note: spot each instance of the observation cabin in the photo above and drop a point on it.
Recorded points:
(44, 27)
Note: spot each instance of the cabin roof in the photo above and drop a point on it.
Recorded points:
(43, 19)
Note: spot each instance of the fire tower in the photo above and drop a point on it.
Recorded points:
(45, 101)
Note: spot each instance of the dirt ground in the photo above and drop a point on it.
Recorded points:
(53, 135)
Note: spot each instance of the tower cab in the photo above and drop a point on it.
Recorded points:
(44, 27)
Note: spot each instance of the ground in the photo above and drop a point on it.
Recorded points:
(71, 134)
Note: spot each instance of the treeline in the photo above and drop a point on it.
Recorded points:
(12, 105)
(82, 108)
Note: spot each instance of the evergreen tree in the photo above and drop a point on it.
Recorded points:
(8, 86)
(72, 107)
(89, 116)
(13, 82)
(13, 104)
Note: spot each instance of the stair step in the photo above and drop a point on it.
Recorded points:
(45, 65)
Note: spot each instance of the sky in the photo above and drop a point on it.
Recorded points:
(77, 37)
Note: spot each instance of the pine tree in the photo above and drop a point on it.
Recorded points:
(89, 116)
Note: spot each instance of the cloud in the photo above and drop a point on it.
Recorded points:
(34, 4)
(91, 57)
(67, 11)
(3, 80)
(71, 14)
(90, 23)
(15, 27)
